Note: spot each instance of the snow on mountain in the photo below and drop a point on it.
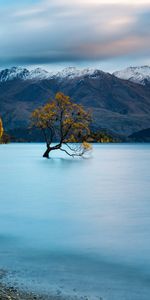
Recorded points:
(40, 74)
(135, 74)
(24, 74)
(73, 72)
(12, 73)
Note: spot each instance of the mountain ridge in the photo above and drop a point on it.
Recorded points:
(41, 74)
(118, 105)
(140, 74)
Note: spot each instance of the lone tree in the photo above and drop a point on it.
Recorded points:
(63, 121)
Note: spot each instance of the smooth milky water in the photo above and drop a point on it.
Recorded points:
(77, 226)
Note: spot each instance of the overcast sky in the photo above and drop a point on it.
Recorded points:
(107, 34)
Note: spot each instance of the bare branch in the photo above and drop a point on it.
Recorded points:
(67, 152)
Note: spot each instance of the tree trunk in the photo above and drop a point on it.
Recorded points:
(46, 153)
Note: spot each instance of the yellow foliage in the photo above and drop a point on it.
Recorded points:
(1, 128)
(87, 146)
(65, 121)
(71, 139)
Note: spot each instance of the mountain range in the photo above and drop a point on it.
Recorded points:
(120, 101)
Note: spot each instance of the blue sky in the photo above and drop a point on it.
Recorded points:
(108, 35)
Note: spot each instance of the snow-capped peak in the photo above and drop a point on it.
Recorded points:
(24, 74)
(135, 74)
(40, 74)
(72, 72)
(13, 73)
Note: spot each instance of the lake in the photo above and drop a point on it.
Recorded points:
(78, 227)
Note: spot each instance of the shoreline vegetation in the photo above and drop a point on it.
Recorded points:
(100, 137)
(33, 136)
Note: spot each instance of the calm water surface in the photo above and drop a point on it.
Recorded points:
(77, 226)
